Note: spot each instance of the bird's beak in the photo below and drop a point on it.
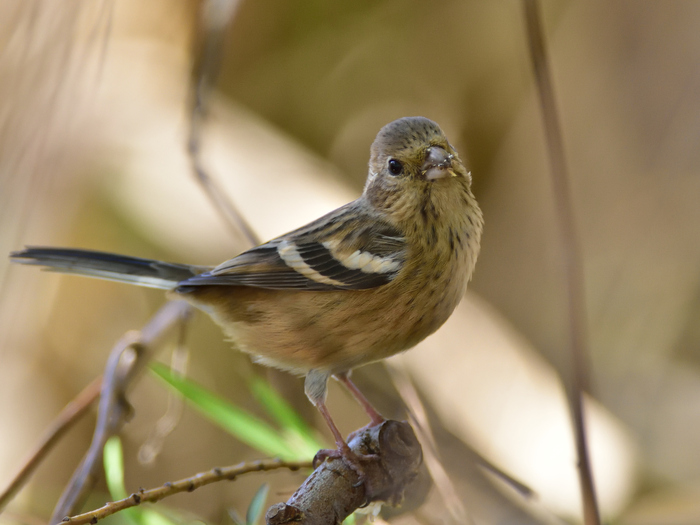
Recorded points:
(437, 164)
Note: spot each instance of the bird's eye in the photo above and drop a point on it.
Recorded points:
(395, 167)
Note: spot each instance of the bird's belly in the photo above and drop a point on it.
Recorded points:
(334, 330)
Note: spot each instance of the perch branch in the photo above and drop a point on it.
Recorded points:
(333, 491)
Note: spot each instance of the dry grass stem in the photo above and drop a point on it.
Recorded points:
(185, 485)
(206, 72)
(577, 382)
(127, 358)
(59, 426)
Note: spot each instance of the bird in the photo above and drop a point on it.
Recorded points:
(362, 283)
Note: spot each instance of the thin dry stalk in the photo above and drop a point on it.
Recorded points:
(421, 425)
(185, 485)
(577, 382)
(127, 358)
(59, 426)
(217, 15)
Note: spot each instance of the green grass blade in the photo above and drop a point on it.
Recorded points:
(235, 517)
(239, 423)
(257, 505)
(113, 458)
(151, 517)
(300, 436)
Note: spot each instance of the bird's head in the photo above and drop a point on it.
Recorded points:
(412, 165)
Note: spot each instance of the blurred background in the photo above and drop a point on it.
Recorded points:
(94, 112)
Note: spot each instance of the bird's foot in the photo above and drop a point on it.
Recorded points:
(352, 460)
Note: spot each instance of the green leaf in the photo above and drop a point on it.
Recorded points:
(235, 517)
(239, 423)
(152, 517)
(113, 458)
(298, 434)
(257, 505)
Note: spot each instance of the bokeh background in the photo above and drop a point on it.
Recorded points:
(94, 109)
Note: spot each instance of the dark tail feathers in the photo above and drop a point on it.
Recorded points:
(110, 266)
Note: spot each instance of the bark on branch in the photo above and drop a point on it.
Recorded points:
(332, 491)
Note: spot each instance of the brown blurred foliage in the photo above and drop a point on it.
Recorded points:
(93, 109)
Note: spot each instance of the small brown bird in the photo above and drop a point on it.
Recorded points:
(366, 281)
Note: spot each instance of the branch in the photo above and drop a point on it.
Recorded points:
(571, 253)
(127, 358)
(184, 485)
(332, 492)
(59, 426)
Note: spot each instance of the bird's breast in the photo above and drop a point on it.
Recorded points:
(338, 330)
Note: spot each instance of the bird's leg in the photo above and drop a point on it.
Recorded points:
(375, 417)
(315, 386)
(339, 440)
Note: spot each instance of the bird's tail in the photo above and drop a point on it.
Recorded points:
(110, 266)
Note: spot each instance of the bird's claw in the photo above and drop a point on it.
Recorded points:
(352, 460)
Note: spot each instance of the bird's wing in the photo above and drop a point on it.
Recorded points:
(345, 250)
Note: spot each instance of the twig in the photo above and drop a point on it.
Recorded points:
(185, 485)
(334, 490)
(417, 414)
(571, 253)
(217, 15)
(127, 358)
(151, 448)
(59, 426)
